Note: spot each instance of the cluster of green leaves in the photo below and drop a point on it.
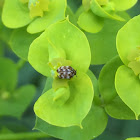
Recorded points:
(123, 96)
(16, 98)
(46, 34)
(13, 100)
(121, 93)
(95, 12)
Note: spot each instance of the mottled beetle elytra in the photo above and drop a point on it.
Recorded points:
(66, 72)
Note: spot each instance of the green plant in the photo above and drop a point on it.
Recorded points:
(48, 35)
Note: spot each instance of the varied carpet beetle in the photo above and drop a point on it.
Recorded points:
(66, 72)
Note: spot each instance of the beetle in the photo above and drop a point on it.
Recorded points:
(66, 72)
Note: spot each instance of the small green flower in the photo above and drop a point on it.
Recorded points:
(91, 18)
(68, 99)
(38, 7)
(127, 80)
(39, 14)
(128, 44)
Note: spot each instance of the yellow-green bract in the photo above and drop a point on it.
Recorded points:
(127, 80)
(91, 19)
(70, 110)
(60, 40)
(93, 124)
(69, 100)
(114, 106)
(16, 14)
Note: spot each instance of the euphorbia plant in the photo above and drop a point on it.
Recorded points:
(47, 53)
(94, 12)
(69, 100)
(74, 104)
(123, 88)
(127, 76)
(39, 14)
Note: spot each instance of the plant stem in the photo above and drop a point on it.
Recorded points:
(20, 63)
(18, 136)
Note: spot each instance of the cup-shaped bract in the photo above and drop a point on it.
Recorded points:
(127, 81)
(108, 9)
(93, 124)
(63, 44)
(128, 44)
(114, 106)
(128, 88)
(19, 13)
(67, 106)
(61, 40)
(91, 18)
(105, 11)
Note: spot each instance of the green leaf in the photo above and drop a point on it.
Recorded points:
(71, 15)
(56, 13)
(106, 11)
(38, 55)
(74, 110)
(8, 75)
(93, 125)
(86, 4)
(119, 110)
(5, 130)
(133, 138)
(20, 42)
(96, 99)
(107, 78)
(90, 22)
(5, 33)
(103, 44)
(114, 106)
(15, 14)
(122, 5)
(71, 42)
(128, 88)
(126, 47)
(16, 104)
